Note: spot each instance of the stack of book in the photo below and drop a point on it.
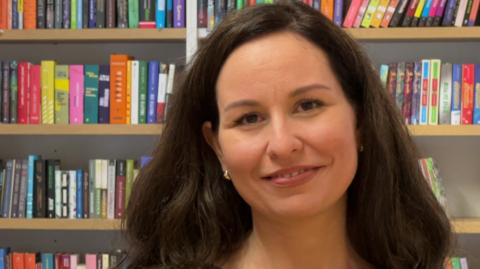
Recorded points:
(432, 176)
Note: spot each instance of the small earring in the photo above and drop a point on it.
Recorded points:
(226, 175)
(361, 148)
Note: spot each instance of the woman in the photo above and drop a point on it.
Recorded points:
(282, 150)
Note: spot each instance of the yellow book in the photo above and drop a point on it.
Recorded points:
(379, 13)
(48, 91)
(62, 88)
(129, 93)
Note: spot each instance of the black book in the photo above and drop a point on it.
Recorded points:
(13, 91)
(147, 11)
(85, 195)
(122, 13)
(39, 188)
(58, 14)
(85, 14)
(41, 7)
(50, 189)
(468, 11)
(100, 14)
(50, 14)
(455, 13)
(16, 188)
(23, 189)
(400, 13)
(64, 189)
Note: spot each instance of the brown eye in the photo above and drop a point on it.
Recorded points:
(307, 105)
(249, 119)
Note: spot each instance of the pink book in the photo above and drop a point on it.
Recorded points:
(91, 261)
(23, 92)
(65, 261)
(38, 265)
(35, 92)
(76, 94)
(473, 14)
(361, 12)
(73, 261)
(352, 12)
(433, 10)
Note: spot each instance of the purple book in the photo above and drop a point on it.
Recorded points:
(66, 14)
(91, 13)
(337, 15)
(417, 88)
(450, 9)
(104, 94)
(6, 92)
(440, 10)
(179, 13)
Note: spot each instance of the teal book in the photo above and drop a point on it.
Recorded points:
(142, 93)
(47, 261)
(133, 13)
(91, 95)
(62, 100)
(13, 91)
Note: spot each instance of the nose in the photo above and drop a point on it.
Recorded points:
(284, 139)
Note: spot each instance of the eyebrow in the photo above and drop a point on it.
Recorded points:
(301, 90)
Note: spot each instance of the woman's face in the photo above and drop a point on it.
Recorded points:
(287, 134)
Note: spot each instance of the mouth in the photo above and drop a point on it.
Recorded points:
(294, 178)
(290, 175)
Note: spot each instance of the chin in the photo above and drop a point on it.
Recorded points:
(298, 207)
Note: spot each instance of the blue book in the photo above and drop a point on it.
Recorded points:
(8, 188)
(424, 98)
(426, 10)
(152, 92)
(3, 252)
(79, 193)
(220, 10)
(144, 161)
(448, 13)
(170, 11)
(79, 14)
(14, 14)
(316, 4)
(476, 92)
(47, 261)
(417, 89)
(91, 13)
(456, 94)
(161, 13)
(30, 179)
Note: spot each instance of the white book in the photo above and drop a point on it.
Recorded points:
(162, 90)
(72, 194)
(424, 94)
(434, 92)
(65, 197)
(58, 194)
(111, 190)
(463, 263)
(461, 13)
(134, 94)
(445, 94)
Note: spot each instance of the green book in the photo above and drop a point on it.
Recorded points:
(129, 180)
(456, 263)
(90, 110)
(62, 88)
(133, 19)
(239, 4)
(98, 189)
(91, 189)
(73, 14)
(260, 1)
(142, 93)
(13, 91)
(367, 18)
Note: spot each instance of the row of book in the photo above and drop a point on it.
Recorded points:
(431, 93)
(124, 92)
(59, 260)
(83, 14)
(36, 188)
(456, 263)
(364, 13)
(432, 176)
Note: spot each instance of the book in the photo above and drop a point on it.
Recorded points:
(23, 189)
(111, 193)
(338, 12)
(456, 94)
(392, 81)
(5, 92)
(379, 13)
(210, 13)
(400, 88)
(425, 12)
(202, 12)
(110, 14)
(8, 188)
(476, 104)
(361, 13)
(67, 14)
(35, 94)
(467, 93)
(399, 13)
(179, 14)
(408, 92)
(449, 10)
(367, 18)
(13, 91)
(432, 13)
(39, 187)
(62, 89)
(98, 189)
(389, 13)
(72, 194)
(104, 190)
(91, 100)
(162, 90)
(76, 94)
(118, 84)
(128, 103)
(122, 13)
(30, 184)
(100, 14)
(161, 13)
(120, 188)
(135, 92)
(446, 94)
(462, 8)
(92, 190)
(23, 92)
(50, 187)
(133, 13)
(152, 91)
(79, 188)
(104, 94)
(440, 12)
(468, 11)
(92, 18)
(48, 90)
(142, 92)
(58, 194)
(16, 187)
(410, 13)
(130, 164)
(425, 92)
(434, 92)
(65, 194)
(58, 20)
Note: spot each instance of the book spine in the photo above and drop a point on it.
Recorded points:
(434, 95)
(16, 188)
(48, 79)
(407, 95)
(73, 14)
(92, 188)
(92, 8)
(392, 81)
(41, 7)
(111, 14)
(30, 184)
(85, 13)
(120, 189)
(50, 14)
(455, 12)
(58, 194)
(104, 94)
(111, 190)
(9, 14)
(432, 12)
(76, 94)
(440, 11)
(463, 263)
(50, 182)
(86, 195)
(153, 71)
(476, 105)
(20, 13)
(161, 13)
(468, 11)
(128, 99)
(79, 14)
(62, 89)
(162, 91)
(3, 17)
(6, 92)
(58, 14)
(100, 14)
(367, 19)
(91, 101)
(8, 188)
(134, 92)
(425, 12)
(425, 93)
(389, 13)
(473, 15)
(13, 91)
(379, 13)
(384, 75)
(326, 8)
(133, 12)
(338, 12)
(446, 95)
(171, 78)
(361, 12)
(23, 83)
(220, 10)
(129, 180)
(40, 209)
(202, 13)
(449, 9)
(23, 189)
(142, 91)
(98, 189)
(72, 194)
(210, 13)
(118, 78)
(462, 8)
(66, 14)
(412, 7)
(399, 12)
(65, 193)
(15, 14)
(456, 94)
(122, 14)
(417, 88)
(35, 93)
(30, 18)
(467, 93)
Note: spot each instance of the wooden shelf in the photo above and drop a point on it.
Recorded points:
(59, 224)
(445, 130)
(466, 226)
(85, 129)
(405, 34)
(92, 35)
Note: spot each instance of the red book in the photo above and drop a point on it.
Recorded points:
(30, 259)
(23, 92)
(65, 261)
(57, 261)
(35, 94)
(18, 260)
(252, 2)
(467, 93)
(147, 25)
(3, 15)
(120, 183)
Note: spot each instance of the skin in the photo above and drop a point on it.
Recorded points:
(282, 107)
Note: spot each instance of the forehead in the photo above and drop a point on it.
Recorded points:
(273, 64)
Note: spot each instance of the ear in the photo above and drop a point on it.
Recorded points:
(212, 139)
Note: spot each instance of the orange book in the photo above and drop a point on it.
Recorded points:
(29, 14)
(30, 259)
(3, 15)
(448, 263)
(18, 260)
(326, 7)
(9, 14)
(118, 88)
(129, 92)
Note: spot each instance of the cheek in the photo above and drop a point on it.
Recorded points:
(241, 153)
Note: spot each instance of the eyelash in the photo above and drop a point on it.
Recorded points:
(317, 102)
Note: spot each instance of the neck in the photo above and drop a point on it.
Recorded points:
(315, 242)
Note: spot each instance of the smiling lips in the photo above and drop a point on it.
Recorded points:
(292, 177)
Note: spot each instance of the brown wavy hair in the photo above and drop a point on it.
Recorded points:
(183, 214)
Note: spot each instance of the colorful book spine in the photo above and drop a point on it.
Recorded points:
(384, 75)
(468, 11)
(367, 19)
(15, 14)
(133, 10)
(467, 93)
(8, 188)
(23, 189)
(210, 14)
(79, 14)
(400, 88)
(48, 90)
(407, 95)
(338, 12)
(129, 180)
(62, 92)
(445, 112)
(153, 71)
(16, 188)
(91, 102)
(66, 14)
(162, 91)
(473, 14)
(412, 7)
(361, 13)
(79, 194)
(73, 14)
(13, 91)
(23, 89)
(72, 194)
(104, 191)
(98, 189)
(92, 13)
(392, 81)
(432, 12)
(327, 7)
(399, 12)
(104, 94)
(35, 94)
(161, 13)
(456, 263)
(379, 13)
(77, 85)
(169, 18)
(449, 10)
(389, 13)
(202, 12)
(128, 103)
(352, 13)
(434, 92)
(456, 94)
(142, 93)
(111, 189)
(10, 14)
(476, 105)
(462, 8)
(30, 11)
(58, 194)
(463, 263)
(425, 12)
(3, 15)
(30, 182)
(118, 85)
(120, 182)
(425, 92)
(440, 12)
(134, 91)
(6, 92)
(91, 190)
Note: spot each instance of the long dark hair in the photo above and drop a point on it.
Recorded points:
(183, 214)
